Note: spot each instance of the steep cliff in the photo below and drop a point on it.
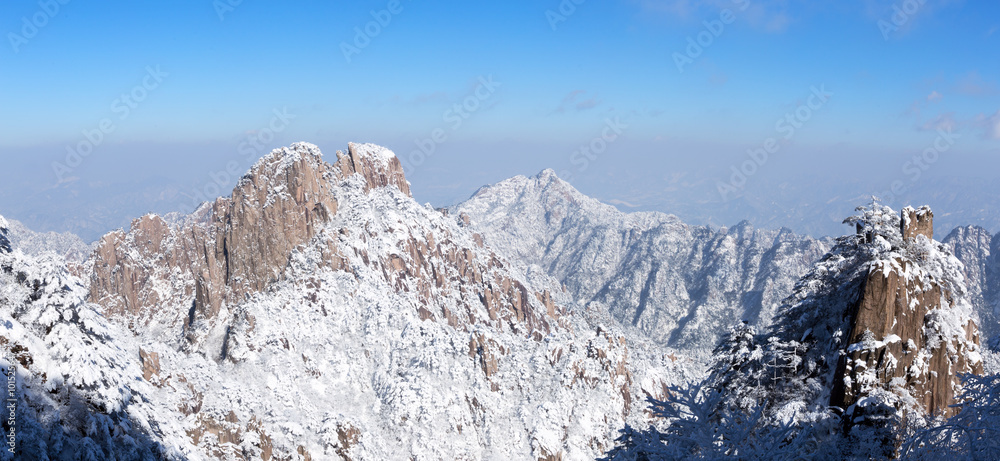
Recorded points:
(912, 330)
(223, 252)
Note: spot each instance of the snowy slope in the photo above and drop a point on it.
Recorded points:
(680, 285)
(4, 238)
(74, 376)
(979, 252)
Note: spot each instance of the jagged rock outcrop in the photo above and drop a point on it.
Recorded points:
(914, 222)
(875, 335)
(231, 248)
(238, 245)
(907, 333)
(379, 167)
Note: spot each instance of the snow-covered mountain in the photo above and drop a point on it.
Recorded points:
(321, 313)
(66, 244)
(980, 255)
(681, 285)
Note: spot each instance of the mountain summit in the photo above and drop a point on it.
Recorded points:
(677, 284)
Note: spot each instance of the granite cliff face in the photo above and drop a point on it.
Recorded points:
(225, 251)
(901, 329)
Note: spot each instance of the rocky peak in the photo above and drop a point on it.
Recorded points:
(376, 164)
(185, 274)
(914, 222)
(279, 205)
(233, 247)
(911, 329)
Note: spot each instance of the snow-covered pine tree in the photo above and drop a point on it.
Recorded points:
(78, 387)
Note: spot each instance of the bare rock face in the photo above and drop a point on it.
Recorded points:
(914, 222)
(279, 205)
(901, 336)
(891, 328)
(379, 167)
(222, 252)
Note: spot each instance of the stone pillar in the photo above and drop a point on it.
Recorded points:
(914, 222)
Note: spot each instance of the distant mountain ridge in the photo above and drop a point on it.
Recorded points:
(680, 285)
(979, 252)
(65, 244)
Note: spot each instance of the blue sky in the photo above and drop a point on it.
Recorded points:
(216, 72)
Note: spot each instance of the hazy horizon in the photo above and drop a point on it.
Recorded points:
(846, 99)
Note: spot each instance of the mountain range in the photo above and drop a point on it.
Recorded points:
(320, 312)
